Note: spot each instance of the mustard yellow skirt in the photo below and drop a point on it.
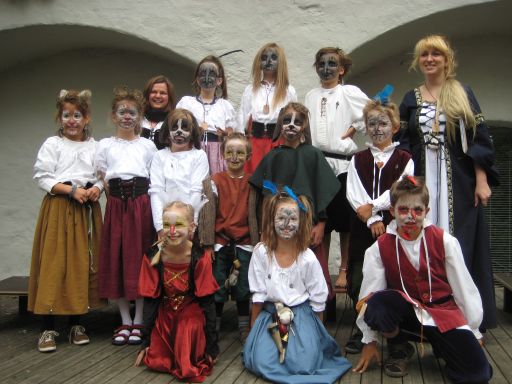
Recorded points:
(63, 274)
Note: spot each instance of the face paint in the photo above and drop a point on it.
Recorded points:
(286, 220)
(379, 128)
(328, 68)
(207, 75)
(127, 115)
(410, 212)
(235, 155)
(176, 226)
(292, 126)
(72, 122)
(269, 59)
(180, 132)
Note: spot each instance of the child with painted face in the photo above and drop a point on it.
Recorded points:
(284, 272)
(160, 100)
(303, 167)
(212, 110)
(226, 228)
(415, 280)
(123, 162)
(177, 172)
(262, 100)
(336, 114)
(177, 284)
(370, 175)
(63, 273)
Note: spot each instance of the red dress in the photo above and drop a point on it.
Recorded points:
(178, 340)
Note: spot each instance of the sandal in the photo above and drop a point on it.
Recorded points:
(399, 356)
(135, 335)
(124, 332)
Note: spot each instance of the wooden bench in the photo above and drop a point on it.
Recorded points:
(505, 278)
(16, 286)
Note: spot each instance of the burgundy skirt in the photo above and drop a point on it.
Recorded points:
(127, 233)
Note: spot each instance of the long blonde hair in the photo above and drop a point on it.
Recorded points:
(453, 99)
(282, 81)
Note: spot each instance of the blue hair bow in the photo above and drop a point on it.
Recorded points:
(383, 96)
(272, 187)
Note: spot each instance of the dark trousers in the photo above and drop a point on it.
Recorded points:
(465, 358)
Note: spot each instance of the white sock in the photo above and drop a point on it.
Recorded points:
(139, 308)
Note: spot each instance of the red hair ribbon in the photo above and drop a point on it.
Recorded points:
(412, 180)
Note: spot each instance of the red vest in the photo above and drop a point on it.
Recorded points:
(442, 308)
(232, 220)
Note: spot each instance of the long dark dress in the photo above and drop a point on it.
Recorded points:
(179, 317)
(457, 176)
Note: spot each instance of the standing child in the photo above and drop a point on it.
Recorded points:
(63, 279)
(178, 171)
(414, 279)
(231, 236)
(302, 167)
(263, 99)
(214, 114)
(177, 284)
(123, 162)
(288, 342)
(336, 113)
(370, 175)
(160, 100)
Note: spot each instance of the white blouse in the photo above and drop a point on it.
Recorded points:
(220, 114)
(303, 280)
(356, 193)
(332, 112)
(177, 176)
(60, 159)
(124, 159)
(252, 104)
(464, 291)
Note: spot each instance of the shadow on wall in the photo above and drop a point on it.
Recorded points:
(53, 58)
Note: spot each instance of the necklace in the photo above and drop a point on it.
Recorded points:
(206, 110)
(435, 125)
(268, 89)
(430, 93)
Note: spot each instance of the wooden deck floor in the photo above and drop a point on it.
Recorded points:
(101, 362)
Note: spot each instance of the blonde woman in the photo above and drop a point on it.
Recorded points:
(443, 127)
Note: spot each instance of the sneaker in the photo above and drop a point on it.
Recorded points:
(354, 344)
(77, 335)
(398, 359)
(47, 341)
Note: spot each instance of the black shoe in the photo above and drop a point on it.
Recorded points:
(398, 359)
(354, 344)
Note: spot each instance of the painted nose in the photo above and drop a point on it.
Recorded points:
(172, 230)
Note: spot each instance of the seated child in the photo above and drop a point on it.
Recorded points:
(177, 284)
(288, 342)
(370, 175)
(415, 280)
(225, 226)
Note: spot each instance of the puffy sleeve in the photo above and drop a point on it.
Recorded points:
(201, 172)
(464, 290)
(231, 120)
(292, 93)
(46, 164)
(151, 150)
(480, 147)
(357, 101)
(205, 283)
(100, 159)
(315, 283)
(356, 194)
(258, 273)
(149, 279)
(157, 187)
(244, 110)
(374, 280)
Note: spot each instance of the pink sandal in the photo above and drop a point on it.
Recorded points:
(135, 334)
(117, 333)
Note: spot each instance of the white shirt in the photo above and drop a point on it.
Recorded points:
(177, 176)
(220, 114)
(332, 112)
(60, 159)
(302, 281)
(124, 159)
(464, 291)
(252, 104)
(356, 193)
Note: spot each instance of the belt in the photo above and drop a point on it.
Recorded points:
(261, 130)
(128, 189)
(337, 156)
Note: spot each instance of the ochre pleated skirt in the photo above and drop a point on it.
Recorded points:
(63, 273)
